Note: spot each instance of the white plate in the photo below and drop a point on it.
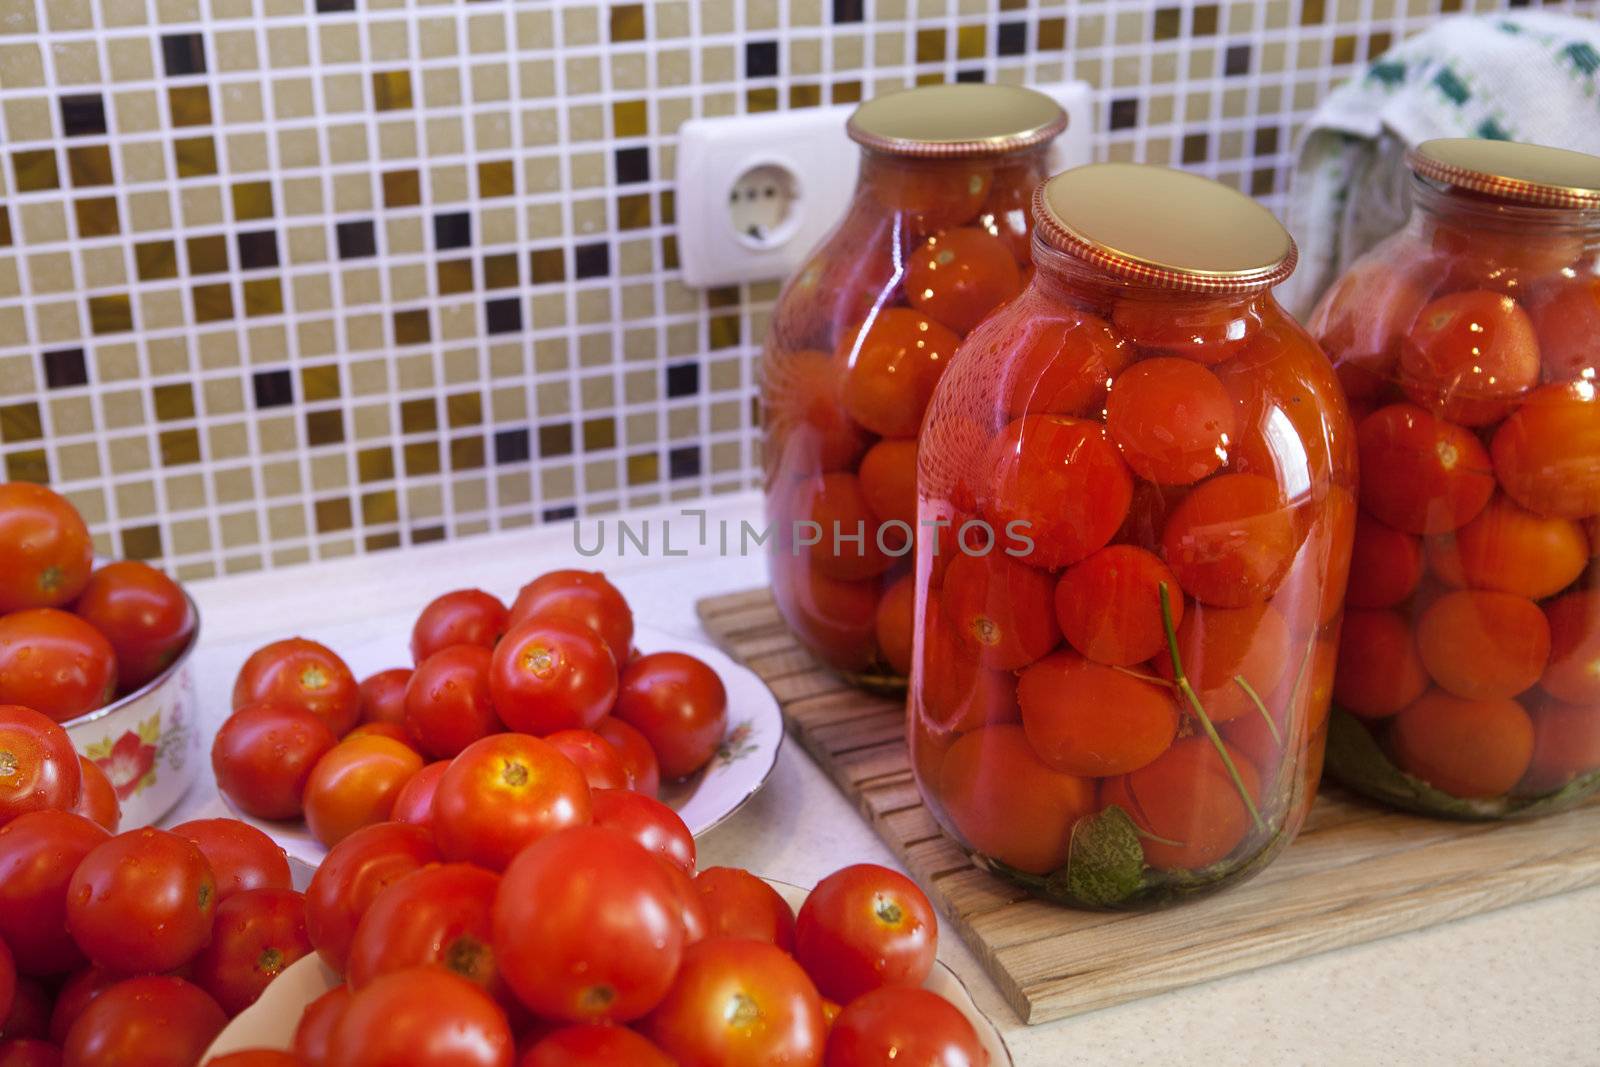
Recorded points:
(270, 1022)
(748, 754)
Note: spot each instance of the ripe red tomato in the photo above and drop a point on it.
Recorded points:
(957, 692)
(739, 1004)
(383, 696)
(259, 933)
(264, 754)
(588, 927)
(1007, 804)
(143, 613)
(1420, 474)
(448, 705)
(583, 597)
(552, 674)
(1231, 540)
(314, 1033)
(414, 803)
(1202, 330)
(1385, 565)
(1468, 356)
(39, 768)
(928, 196)
(1088, 719)
(1547, 453)
(833, 618)
(1379, 669)
(1109, 605)
(594, 1046)
(55, 663)
(45, 550)
(1566, 745)
(142, 902)
(892, 624)
(97, 797)
(1172, 419)
(1062, 367)
(738, 904)
(1566, 316)
(1512, 550)
(1464, 747)
(156, 1021)
(305, 674)
(461, 617)
(39, 852)
(805, 418)
(891, 363)
(382, 729)
(422, 1017)
(355, 784)
(355, 871)
(960, 275)
(906, 1028)
(680, 706)
(1573, 673)
(888, 478)
(1220, 645)
(1482, 645)
(1364, 316)
(601, 765)
(84, 986)
(1002, 608)
(1191, 813)
(502, 794)
(1062, 478)
(29, 1052)
(691, 911)
(647, 821)
(437, 916)
(841, 532)
(241, 856)
(638, 758)
(864, 927)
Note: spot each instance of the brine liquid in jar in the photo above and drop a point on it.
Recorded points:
(1468, 682)
(936, 237)
(1140, 474)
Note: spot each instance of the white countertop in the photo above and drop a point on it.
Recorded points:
(1515, 986)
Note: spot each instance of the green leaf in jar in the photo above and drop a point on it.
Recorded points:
(1106, 863)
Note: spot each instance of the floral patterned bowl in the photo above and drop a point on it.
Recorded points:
(147, 741)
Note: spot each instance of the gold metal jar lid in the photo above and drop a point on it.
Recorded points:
(1165, 228)
(964, 119)
(1509, 170)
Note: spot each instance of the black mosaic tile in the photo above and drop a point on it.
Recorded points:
(452, 230)
(258, 250)
(760, 59)
(683, 379)
(274, 388)
(503, 316)
(591, 261)
(1124, 114)
(65, 368)
(684, 462)
(357, 240)
(633, 165)
(183, 53)
(83, 114)
(1012, 39)
(511, 446)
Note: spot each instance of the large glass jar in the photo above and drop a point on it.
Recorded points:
(1142, 474)
(1469, 674)
(936, 237)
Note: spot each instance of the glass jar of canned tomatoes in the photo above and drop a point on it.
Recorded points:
(1140, 478)
(936, 237)
(1468, 682)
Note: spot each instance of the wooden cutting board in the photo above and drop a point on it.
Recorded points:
(1355, 874)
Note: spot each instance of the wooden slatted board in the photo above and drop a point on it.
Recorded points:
(1356, 873)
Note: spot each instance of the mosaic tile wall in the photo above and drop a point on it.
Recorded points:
(291, 279)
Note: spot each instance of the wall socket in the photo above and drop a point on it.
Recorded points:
(755, 193)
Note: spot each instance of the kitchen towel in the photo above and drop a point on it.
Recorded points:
(1523, 77)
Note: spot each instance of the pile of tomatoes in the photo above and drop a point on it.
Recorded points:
(599, 946)
(859, 340)
(72, 638)
(130, 949)
(1125, 481)
(1472, 647)
(551, 686)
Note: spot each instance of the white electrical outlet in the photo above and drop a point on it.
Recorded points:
(757, 192)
